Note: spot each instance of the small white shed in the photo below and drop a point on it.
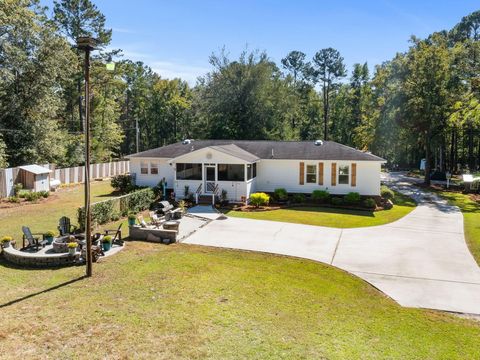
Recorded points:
(35, 177)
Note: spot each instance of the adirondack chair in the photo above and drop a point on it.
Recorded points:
(32, 241)
(65, 227)
(117, 238)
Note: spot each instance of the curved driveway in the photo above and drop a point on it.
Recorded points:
(420, 260)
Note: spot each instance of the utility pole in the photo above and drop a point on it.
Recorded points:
(87, 44)
(137, 135)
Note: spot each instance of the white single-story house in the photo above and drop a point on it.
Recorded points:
(242, 167)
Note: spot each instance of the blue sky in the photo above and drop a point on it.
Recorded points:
(176, 37)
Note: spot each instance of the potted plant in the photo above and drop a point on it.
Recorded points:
(5, 241)
(131, 219)
(72, 248)
(49, 236)
(107, 243)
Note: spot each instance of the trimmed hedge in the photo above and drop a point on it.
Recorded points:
(113, 209)
(352, 198)
(320, 195)
(280, 194)
(387, 193)
(259, 199)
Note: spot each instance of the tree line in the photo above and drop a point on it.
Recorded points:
(423, 103)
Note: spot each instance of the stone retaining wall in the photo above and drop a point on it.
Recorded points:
(17, 257)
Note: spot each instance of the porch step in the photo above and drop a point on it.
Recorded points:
(205, 199)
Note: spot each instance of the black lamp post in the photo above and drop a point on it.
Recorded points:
(87, 44)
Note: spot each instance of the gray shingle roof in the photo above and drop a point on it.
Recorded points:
(265, 149)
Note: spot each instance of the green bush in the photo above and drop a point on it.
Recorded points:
(107, 239)
(13, 199)
(22, 193)
(369, 203)
(259, 199)
(280, 194)
(352, 198)
(45, 194)
(123, 183)
(320, 195)
(337, 201)
(298, 198)
(387, 193)
(111, 210)
(33, 196)
(16, 188)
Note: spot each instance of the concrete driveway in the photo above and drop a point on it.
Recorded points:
(420, 260)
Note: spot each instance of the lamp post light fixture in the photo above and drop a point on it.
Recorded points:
(87, 44)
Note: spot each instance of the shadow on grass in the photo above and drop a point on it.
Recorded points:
(112, 194)
(26, 297)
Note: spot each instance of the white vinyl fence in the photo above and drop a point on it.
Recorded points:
(11, 176)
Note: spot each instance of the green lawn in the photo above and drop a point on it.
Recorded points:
(44, 215)
(338, 218)
(188, 302)
(471, 219)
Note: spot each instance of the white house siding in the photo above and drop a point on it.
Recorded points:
(273, 174)
(164, 171)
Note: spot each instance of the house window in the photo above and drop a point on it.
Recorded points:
(143, 168)
(231, 172)
(343, 174)
(153, 169)
(189, 171)
(251, 171)
(311, 174)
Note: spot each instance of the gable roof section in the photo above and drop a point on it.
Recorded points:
(265, 149)
(35, 169)
(236, 151)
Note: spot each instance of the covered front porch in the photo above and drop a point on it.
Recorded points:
(226, 173)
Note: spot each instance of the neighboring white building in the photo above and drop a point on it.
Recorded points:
(242, 167)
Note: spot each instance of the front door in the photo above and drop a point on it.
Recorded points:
(209, 179)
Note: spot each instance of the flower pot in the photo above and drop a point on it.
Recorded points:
(106, 246)
(71, 251)
(49, 239)
(131, 222)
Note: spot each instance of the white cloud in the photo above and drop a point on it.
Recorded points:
(123, 30)
(170, 70)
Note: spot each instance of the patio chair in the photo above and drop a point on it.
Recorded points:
(117, 238)
(33, 242)
(65, 227)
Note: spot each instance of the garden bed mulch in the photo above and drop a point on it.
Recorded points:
(250, 208)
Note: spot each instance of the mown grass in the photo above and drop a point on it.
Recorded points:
(44, 216)
(188, 302)
(471, 219)
(331, 217)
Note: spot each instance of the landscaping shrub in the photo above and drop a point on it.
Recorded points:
(16, 188)
(320, 196)
(337, 201)
(123, 183)
(280, 194)
(44, 194)
(352, 198)
(111, 210)
(22, 193)
(298, 198)
(387, 193)
(32, 196)
(259, 199)
(369, 203)
(13, 199)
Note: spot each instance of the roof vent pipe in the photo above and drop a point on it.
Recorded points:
(186, 141)
(318, 142)
(272, 153)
